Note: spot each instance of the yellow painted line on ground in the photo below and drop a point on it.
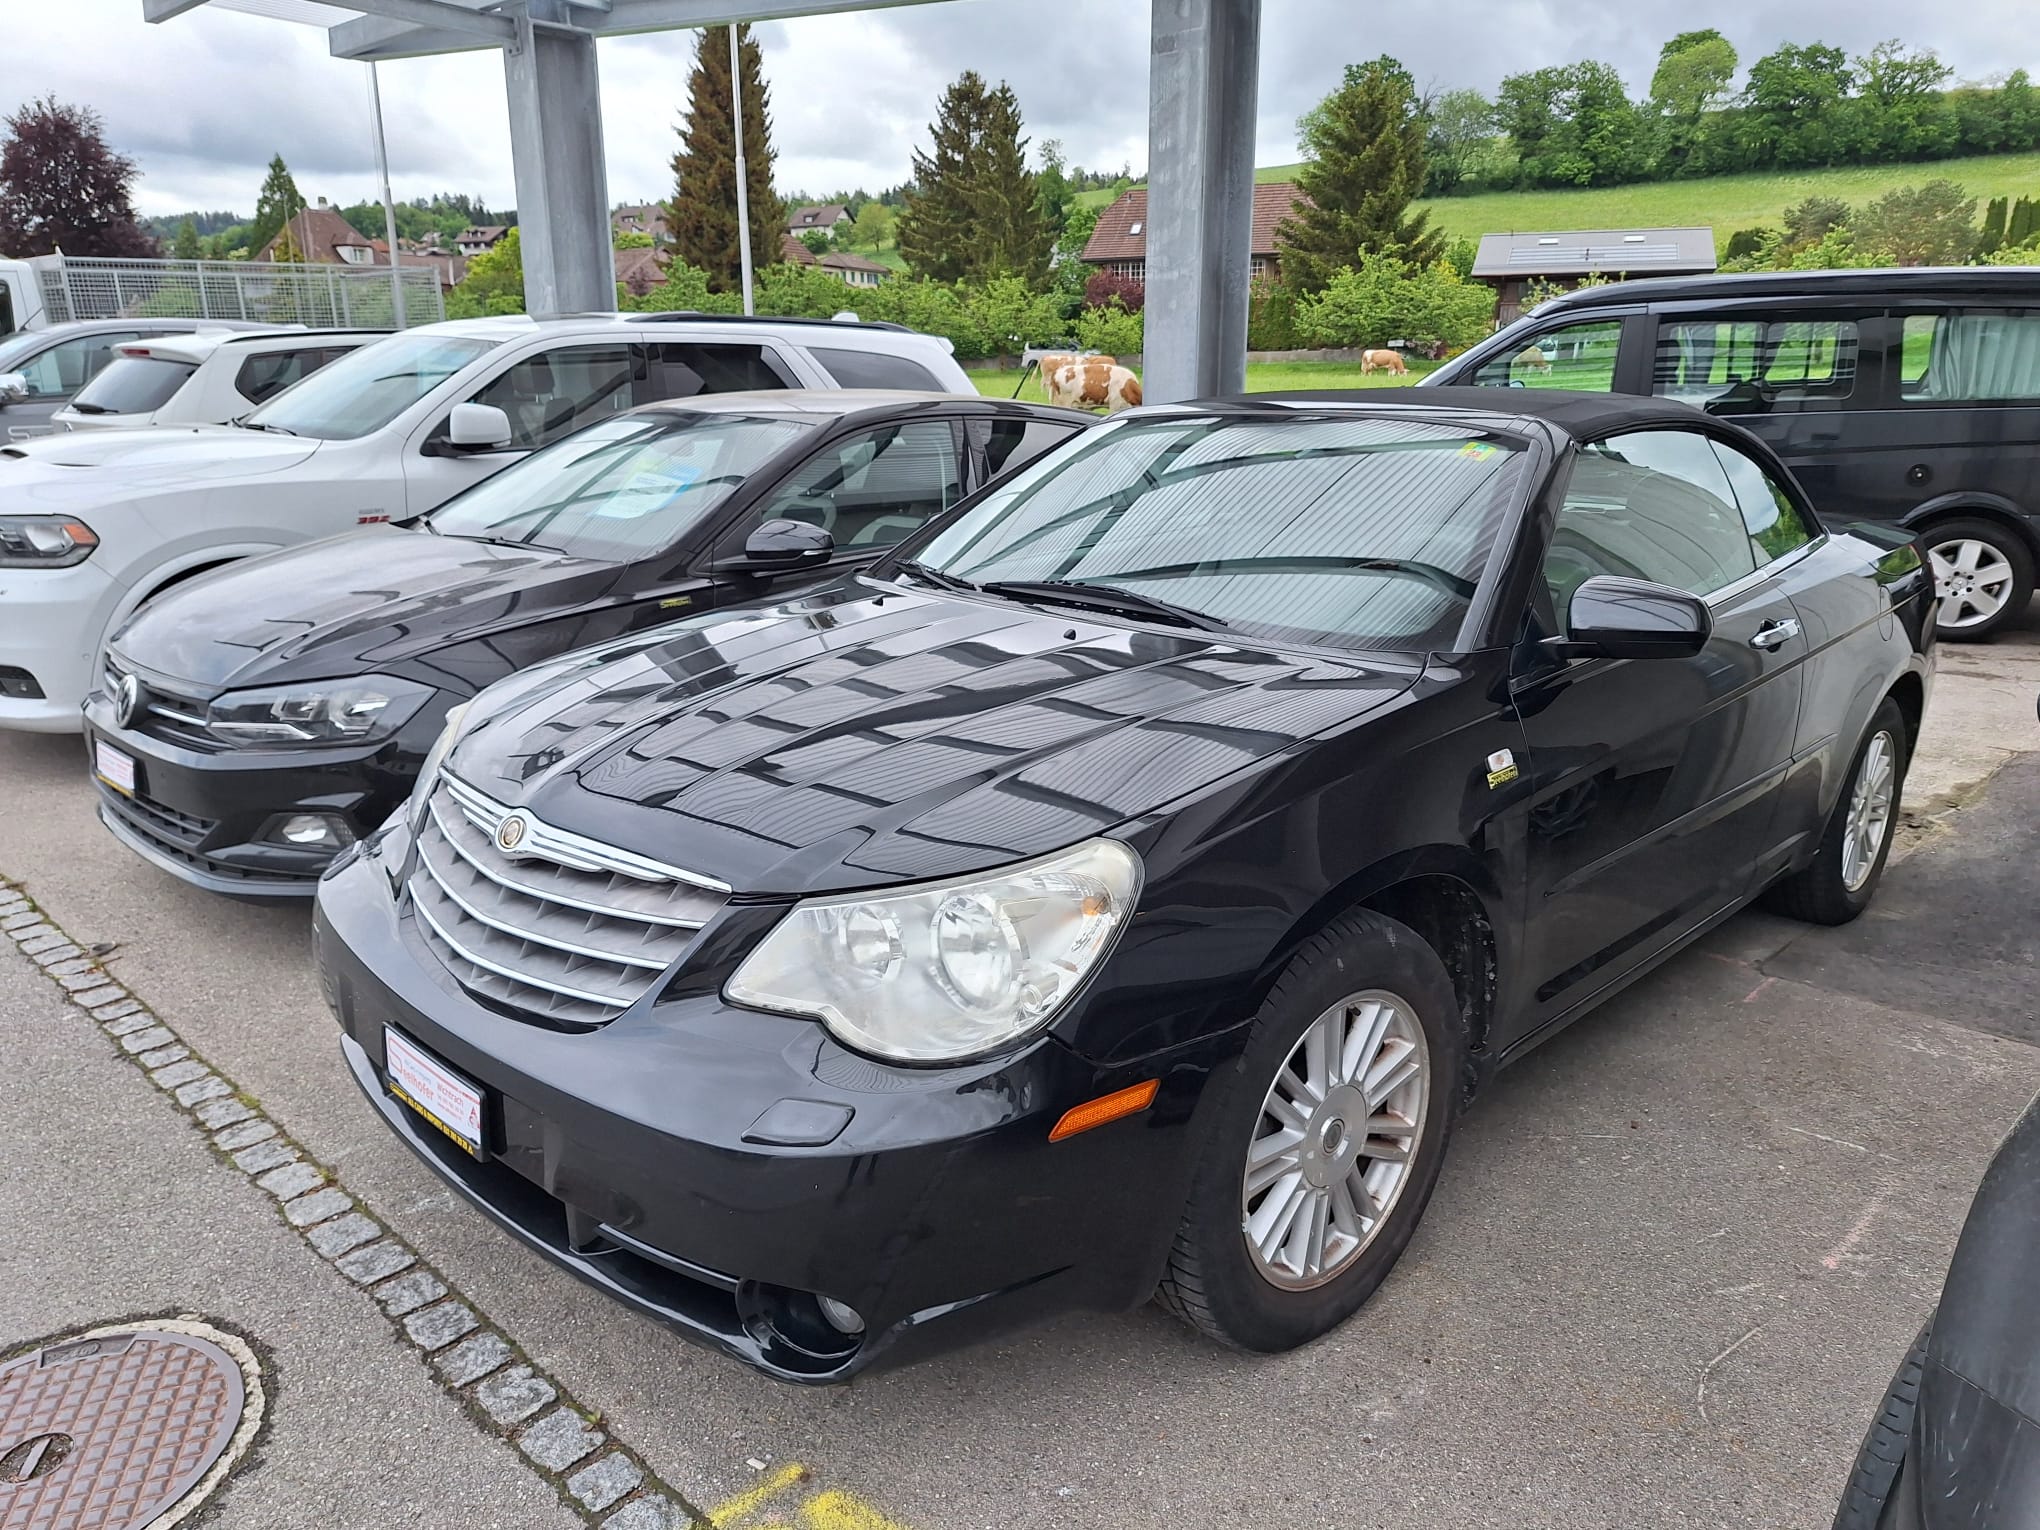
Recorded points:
(789, 1500)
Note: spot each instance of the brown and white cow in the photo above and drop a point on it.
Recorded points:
(1383, 361)
(1089, 382)
(1533, 360)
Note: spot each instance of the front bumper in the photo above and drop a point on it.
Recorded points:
(51, 621)
(631, 1155)
(207, 816)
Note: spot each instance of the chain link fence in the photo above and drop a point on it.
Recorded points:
(324, 297)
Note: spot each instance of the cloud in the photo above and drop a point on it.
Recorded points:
(202, 102)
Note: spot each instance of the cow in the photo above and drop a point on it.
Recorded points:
(1533, 360)
(1385, 361)
(1089, 382)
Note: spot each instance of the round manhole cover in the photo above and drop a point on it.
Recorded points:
(108, 1431)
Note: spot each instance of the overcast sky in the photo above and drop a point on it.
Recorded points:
(201, 103)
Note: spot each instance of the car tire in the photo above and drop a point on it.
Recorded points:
(1376, 983)
(1849, 864)
(1867, 1495)
(1991, 566)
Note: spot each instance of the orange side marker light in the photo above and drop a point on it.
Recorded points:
(1107, 1107)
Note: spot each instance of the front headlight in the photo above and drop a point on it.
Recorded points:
(449, 735)
(44, 541)
(321, 712)
(948, 970)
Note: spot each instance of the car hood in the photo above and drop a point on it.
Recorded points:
(347, 605)
(867, 735)
(92, 461)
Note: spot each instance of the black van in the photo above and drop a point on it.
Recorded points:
(1905, 396)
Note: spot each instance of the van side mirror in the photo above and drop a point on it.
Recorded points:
(13, 387)
(1616, 618)
(478, 428)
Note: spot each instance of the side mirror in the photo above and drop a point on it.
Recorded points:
(478, 428)
(783, 544)
(1635, 619)
(13, 387)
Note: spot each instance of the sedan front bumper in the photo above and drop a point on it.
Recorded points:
(721, 1169)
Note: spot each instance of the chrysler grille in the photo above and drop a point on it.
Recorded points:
(568, 929)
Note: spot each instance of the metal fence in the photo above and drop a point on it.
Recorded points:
(325, 297)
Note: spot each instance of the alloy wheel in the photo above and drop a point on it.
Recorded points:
(1972, 579)
(1869, 811)
(1335, 1141)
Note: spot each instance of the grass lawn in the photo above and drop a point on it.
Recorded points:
(1269, 377)
(1726, 202)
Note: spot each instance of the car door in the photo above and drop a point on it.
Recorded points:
(54, 377)
(1655, 783)
(869, 489)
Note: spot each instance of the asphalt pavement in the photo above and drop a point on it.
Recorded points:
(1674, 1258)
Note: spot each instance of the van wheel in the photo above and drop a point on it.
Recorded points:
(1983, 577)
(1326, 1141)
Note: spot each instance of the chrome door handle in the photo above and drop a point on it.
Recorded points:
(1774, 634)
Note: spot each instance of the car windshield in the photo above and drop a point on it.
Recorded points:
(621, 489)
(1351, 532)
(366, 389)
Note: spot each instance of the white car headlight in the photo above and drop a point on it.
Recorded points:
(946, 970)
(322, 712)
(428, 772)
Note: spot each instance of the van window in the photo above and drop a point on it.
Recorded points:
(1580, 357)
(1748, 365)
(1970, 357)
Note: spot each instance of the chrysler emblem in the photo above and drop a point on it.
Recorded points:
(127, 701)
(511, 831)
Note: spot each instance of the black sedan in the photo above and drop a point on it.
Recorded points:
(1957, 1440)
(254, 722)
(1120, 887)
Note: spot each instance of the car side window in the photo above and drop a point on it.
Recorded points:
(1579, 357)
(1653, 505)
(1010, 443)
(1753, 364)
(1776, 525)
(63, 369)
(681, 369)
(875, 369)
(557, 392)
(1972, 357)
(873, 489)
(261, 378)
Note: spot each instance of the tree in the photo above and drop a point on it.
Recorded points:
(186, 247)
(872, 228)
(63, 189)
(1795, 105)
(1053, 188)
(633, 239)
(1903, 113)
(1809, 221)
(704, 210)
(1574, 126)
(817, 241)
(1692, 78)
(1930, 225)
(494, 283)
(973, 211)
(1995, 217)
(1365, 163)
(1382, 298)
(278, 202)
(1460, 129)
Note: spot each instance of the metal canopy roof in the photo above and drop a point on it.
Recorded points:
(1679, 250)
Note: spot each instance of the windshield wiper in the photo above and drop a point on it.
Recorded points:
(264, 425)
(1103, 597)
(1430, 573)
(84, 408)
(935, 576)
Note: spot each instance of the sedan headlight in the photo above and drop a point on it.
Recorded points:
(449, 735)
(321, 712)
(945, 971)
(44, 541)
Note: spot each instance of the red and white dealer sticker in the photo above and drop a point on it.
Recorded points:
(434, 1090)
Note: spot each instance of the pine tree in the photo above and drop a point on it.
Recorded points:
(279, 202)
(2019, 227)
(975, 211)
(186, 247)
(703, 216)
(1365, 147)
(1994, 223)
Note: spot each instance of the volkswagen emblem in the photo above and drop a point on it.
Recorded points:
(127, 701)
(511, 831)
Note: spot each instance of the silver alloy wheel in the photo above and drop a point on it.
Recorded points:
(1336, 1138)
(1869, 810)
(1972, 579)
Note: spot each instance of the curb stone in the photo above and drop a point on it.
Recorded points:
(603, 1482)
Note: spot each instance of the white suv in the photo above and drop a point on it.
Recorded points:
(211, 378)
(92, 523)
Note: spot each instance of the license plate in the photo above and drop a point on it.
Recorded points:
(117, 770)
(435, 1091)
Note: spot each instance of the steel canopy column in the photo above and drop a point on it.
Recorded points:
(556, 149)
(1203, 80)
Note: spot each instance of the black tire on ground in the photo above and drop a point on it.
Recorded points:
(1212, 1281)
(1868, 1491)
(2012, 547)
(1818, 894)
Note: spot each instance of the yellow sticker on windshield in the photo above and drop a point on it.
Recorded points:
(1479, 451)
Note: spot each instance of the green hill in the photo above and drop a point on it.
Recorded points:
(1726, 202)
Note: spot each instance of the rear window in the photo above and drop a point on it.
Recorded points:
(1973, 357)
(133, 385)
(875, 369)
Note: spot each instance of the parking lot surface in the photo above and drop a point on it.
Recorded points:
(1673, 1260)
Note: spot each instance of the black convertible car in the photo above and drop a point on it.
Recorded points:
(1122, 885)
(256, 721)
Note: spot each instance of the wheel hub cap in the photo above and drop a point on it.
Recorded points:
(1869, 812)
(1972, 580)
